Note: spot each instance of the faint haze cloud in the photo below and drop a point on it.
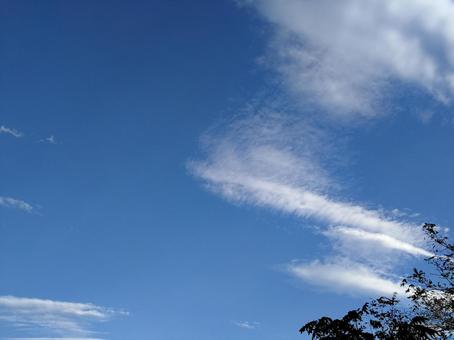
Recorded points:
(426, 116)
(49, 140)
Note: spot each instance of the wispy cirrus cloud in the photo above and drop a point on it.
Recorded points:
(53, 318)
(347, 56)
(246, 324)
(10, 131)
(49, 140)
(9, 202)
(273, 161)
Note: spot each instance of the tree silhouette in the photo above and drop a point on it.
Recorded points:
(428, 313)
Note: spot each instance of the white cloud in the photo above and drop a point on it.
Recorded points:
(66, 319)
(249, 188)
(373, 241)
(246, 324)
(267, 169)
(260, 161)
(50, 140)
(10, 202)
(10, 131)
(345, 55)
(270, 146)
(345, 277)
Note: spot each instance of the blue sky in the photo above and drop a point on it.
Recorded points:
(216, 169)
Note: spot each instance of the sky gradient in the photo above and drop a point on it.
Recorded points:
(216, 169)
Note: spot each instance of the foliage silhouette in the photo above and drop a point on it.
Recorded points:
(428, 313)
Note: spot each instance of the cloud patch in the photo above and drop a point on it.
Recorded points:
(49, 140)
(9, 202)
(246, 324)
(373, 240)
(347, 56)
(10, 131)
(57, 318)
(344, 277)
(261, 160)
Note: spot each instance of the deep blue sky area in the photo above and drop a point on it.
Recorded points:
(127, 89)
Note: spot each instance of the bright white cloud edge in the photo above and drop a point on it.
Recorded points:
(345, 278)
